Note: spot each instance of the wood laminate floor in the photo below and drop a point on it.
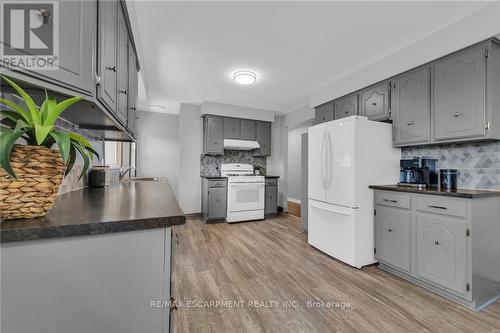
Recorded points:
(260, 263)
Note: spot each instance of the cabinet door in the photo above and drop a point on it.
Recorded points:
(441, 250)
(264, 138)
(232, 128)
(132, 91)
(247, 129)
(392, 236)
(324, 113)
(214, 141)
(346, 106)
(77, 39)
(411, 107)
(271, 203)
(374, 102)
(459, 95)
(122, 68)
(107, 36)
(216, 202)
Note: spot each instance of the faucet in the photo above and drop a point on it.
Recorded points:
(124, 171)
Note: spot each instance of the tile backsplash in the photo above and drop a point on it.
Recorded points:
(210, 165)
(479, 162)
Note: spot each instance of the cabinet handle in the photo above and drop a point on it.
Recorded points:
(123, 92)
(457, 114)
(133, 108)
(111, 68)
(437, 242)
(176, 238)
(389, 229)
(437, 207)
(387, 200)
(374, 103)
(410, 123)
(44, 13)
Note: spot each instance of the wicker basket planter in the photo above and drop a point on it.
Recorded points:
(39, 172)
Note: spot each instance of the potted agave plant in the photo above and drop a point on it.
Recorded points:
(31, 173)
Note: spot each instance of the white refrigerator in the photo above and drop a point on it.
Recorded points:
(345, 157)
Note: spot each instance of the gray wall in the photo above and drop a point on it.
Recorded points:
(294, 160)
(479, 163)
(190, 145)
(158, 147)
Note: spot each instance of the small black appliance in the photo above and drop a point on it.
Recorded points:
(449, 179)
(419, 171)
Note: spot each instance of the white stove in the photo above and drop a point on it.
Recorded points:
(245, 193)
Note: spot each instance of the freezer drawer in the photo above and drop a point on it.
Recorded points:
(332, 230)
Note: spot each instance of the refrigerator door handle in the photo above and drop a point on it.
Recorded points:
(329, 156)
(331, 210)
(322, 161)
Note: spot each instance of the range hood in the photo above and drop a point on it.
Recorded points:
(240, 144)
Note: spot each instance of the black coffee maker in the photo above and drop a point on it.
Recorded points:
(419, 171)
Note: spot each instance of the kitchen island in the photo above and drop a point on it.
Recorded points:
(96, 263)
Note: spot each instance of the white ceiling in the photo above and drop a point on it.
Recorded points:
(188, 50)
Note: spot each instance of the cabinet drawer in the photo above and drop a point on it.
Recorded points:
(393, 199)
(271, 181)
(445, 206)
(216, 183)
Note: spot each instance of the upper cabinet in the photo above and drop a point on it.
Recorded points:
(232, 128)
(263, 138)
(375, 102)
(77, 48)
(324, 113)
(122, 68)
(132, 91)
(247, 129)
(411, 104)
(459, 95)
(213, 135)
(107, 59)
(217, 128)
(346, 106)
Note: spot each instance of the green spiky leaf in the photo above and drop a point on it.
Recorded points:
(63, 142)
(32, 108)
(54, 110)
(8, 138)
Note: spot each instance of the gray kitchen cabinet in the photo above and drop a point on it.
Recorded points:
(444, 243)
(77, 48)
(132, 91)
(122, 68)
(214, 199)
(247, 129)
(346, 106)
(263, 138)
(375, 102)
(411, 107)
(441, 250)
(271, 197)
(324, 113)
(392, 236)
(213, 135)
(107, 40)
(232, 128)
(459, 95)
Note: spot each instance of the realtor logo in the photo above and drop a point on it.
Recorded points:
(30, 35)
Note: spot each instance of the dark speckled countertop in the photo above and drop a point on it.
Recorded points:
(458, 193)
(119, 207)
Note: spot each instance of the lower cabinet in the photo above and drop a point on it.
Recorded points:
(441, 250)
(214, 199)
(392, 233)
(446, 244)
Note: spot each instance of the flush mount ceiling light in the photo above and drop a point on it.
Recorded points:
(156, 107)
(244, 77)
